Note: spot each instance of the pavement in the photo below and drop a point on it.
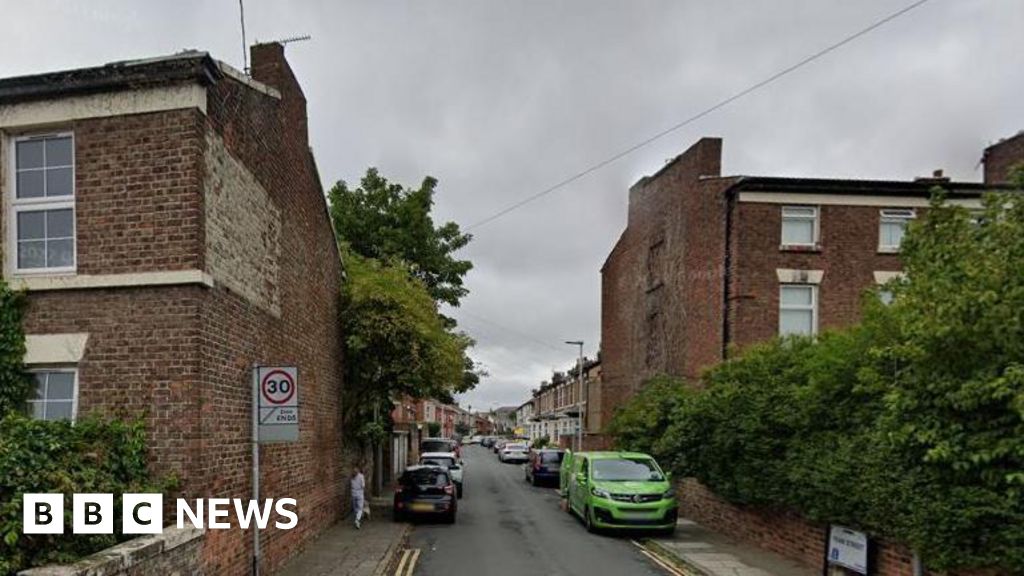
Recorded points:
(344, 551)
(697, 551)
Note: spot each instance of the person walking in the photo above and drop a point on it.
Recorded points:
(358, 485)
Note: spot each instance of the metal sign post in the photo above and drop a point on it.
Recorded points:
(255, 464)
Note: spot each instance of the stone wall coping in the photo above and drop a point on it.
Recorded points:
(124, 555)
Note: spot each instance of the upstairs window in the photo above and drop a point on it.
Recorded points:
(892, 227)
(42, 214)
(798, 309)
(54, 396)
(800, 226)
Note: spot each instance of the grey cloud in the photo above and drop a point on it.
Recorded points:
(502, 99)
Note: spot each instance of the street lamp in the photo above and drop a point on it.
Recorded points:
(579, 396)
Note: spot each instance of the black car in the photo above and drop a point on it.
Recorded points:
(425, 491)
(544, 465)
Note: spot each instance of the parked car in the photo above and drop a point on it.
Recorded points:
(499, 444)
(440, 445)
(487, 441)
(472, 440)
(512, 452)
(425, 491)
(544, 465)
(619, 490)
(449, 461)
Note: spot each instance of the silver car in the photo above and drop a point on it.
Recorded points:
(514, 452)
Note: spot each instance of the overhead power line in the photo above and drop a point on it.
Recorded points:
(721, 104)
(513, 331)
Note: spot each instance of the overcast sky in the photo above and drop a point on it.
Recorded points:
(499, 99)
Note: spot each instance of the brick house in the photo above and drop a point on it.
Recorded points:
(555, 407)
(167, 221)
(710, 264)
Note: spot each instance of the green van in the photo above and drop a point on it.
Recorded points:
(618, 490)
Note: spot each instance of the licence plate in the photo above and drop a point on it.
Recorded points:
(421, 507)
(630, 515)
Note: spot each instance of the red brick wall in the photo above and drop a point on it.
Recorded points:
(999, 158)
(136, 202)
(662, 285)
(848, 256)
(786, 533)
(142, 359)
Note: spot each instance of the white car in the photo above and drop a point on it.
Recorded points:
(514, 452)
(446, 460)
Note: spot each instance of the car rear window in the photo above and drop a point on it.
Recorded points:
(446, 462)
(515, 447)
(437, 446)
(425, 477)
(551, 456)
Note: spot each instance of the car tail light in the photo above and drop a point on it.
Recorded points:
(449, 489)
(398, 489)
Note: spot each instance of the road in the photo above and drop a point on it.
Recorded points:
(505, 527)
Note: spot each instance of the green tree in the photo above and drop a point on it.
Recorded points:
(396, 342)
(433, 429)
(386, 221)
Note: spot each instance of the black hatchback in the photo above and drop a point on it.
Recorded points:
(426, 491)
(544, 465)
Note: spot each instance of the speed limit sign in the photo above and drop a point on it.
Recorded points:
(277, 391)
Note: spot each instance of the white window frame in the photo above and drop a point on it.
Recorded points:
(893, 216)
(816, 221)
(74, 388)
(813, 306)
(17, 205)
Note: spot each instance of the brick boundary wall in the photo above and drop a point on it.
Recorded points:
(175, 551)
(788, 534)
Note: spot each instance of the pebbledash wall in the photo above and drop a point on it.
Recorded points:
(697, 272)
(203, 246)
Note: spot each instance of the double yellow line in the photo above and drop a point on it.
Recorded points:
(660, 560)
(408, 562)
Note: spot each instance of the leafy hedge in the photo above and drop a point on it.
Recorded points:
(39, 456)
(909, 425)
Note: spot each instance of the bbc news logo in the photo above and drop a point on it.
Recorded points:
(144, 513)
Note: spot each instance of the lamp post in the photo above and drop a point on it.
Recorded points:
(579, 396)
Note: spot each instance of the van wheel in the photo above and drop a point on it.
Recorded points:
(588, 520)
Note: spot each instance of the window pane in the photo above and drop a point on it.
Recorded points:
(798, 211)
(32, 254)
(61, 386)
(885, 296)
(796, 322)
(58, 182)
(891, 234)
(795, 296)
(39, 387)
(36, 410)
(31, 225)
(58, 410)
(60, 253)
(58, 151)
(30, 184)
(30, 154)
(798, 231)
(59, 223)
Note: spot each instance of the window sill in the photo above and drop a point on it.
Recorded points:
(884, 250)
(800, 248)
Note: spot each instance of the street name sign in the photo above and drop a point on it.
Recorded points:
(848, 548)
(277, 394)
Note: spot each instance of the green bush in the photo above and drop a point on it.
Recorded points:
(51, 457)
(541, 442)
(909, 425)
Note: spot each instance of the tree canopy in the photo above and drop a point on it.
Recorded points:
(395, 341)
(386, 221)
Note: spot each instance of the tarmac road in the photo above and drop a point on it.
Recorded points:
(505, 527)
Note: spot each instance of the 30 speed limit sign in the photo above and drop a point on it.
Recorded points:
(277, 391)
